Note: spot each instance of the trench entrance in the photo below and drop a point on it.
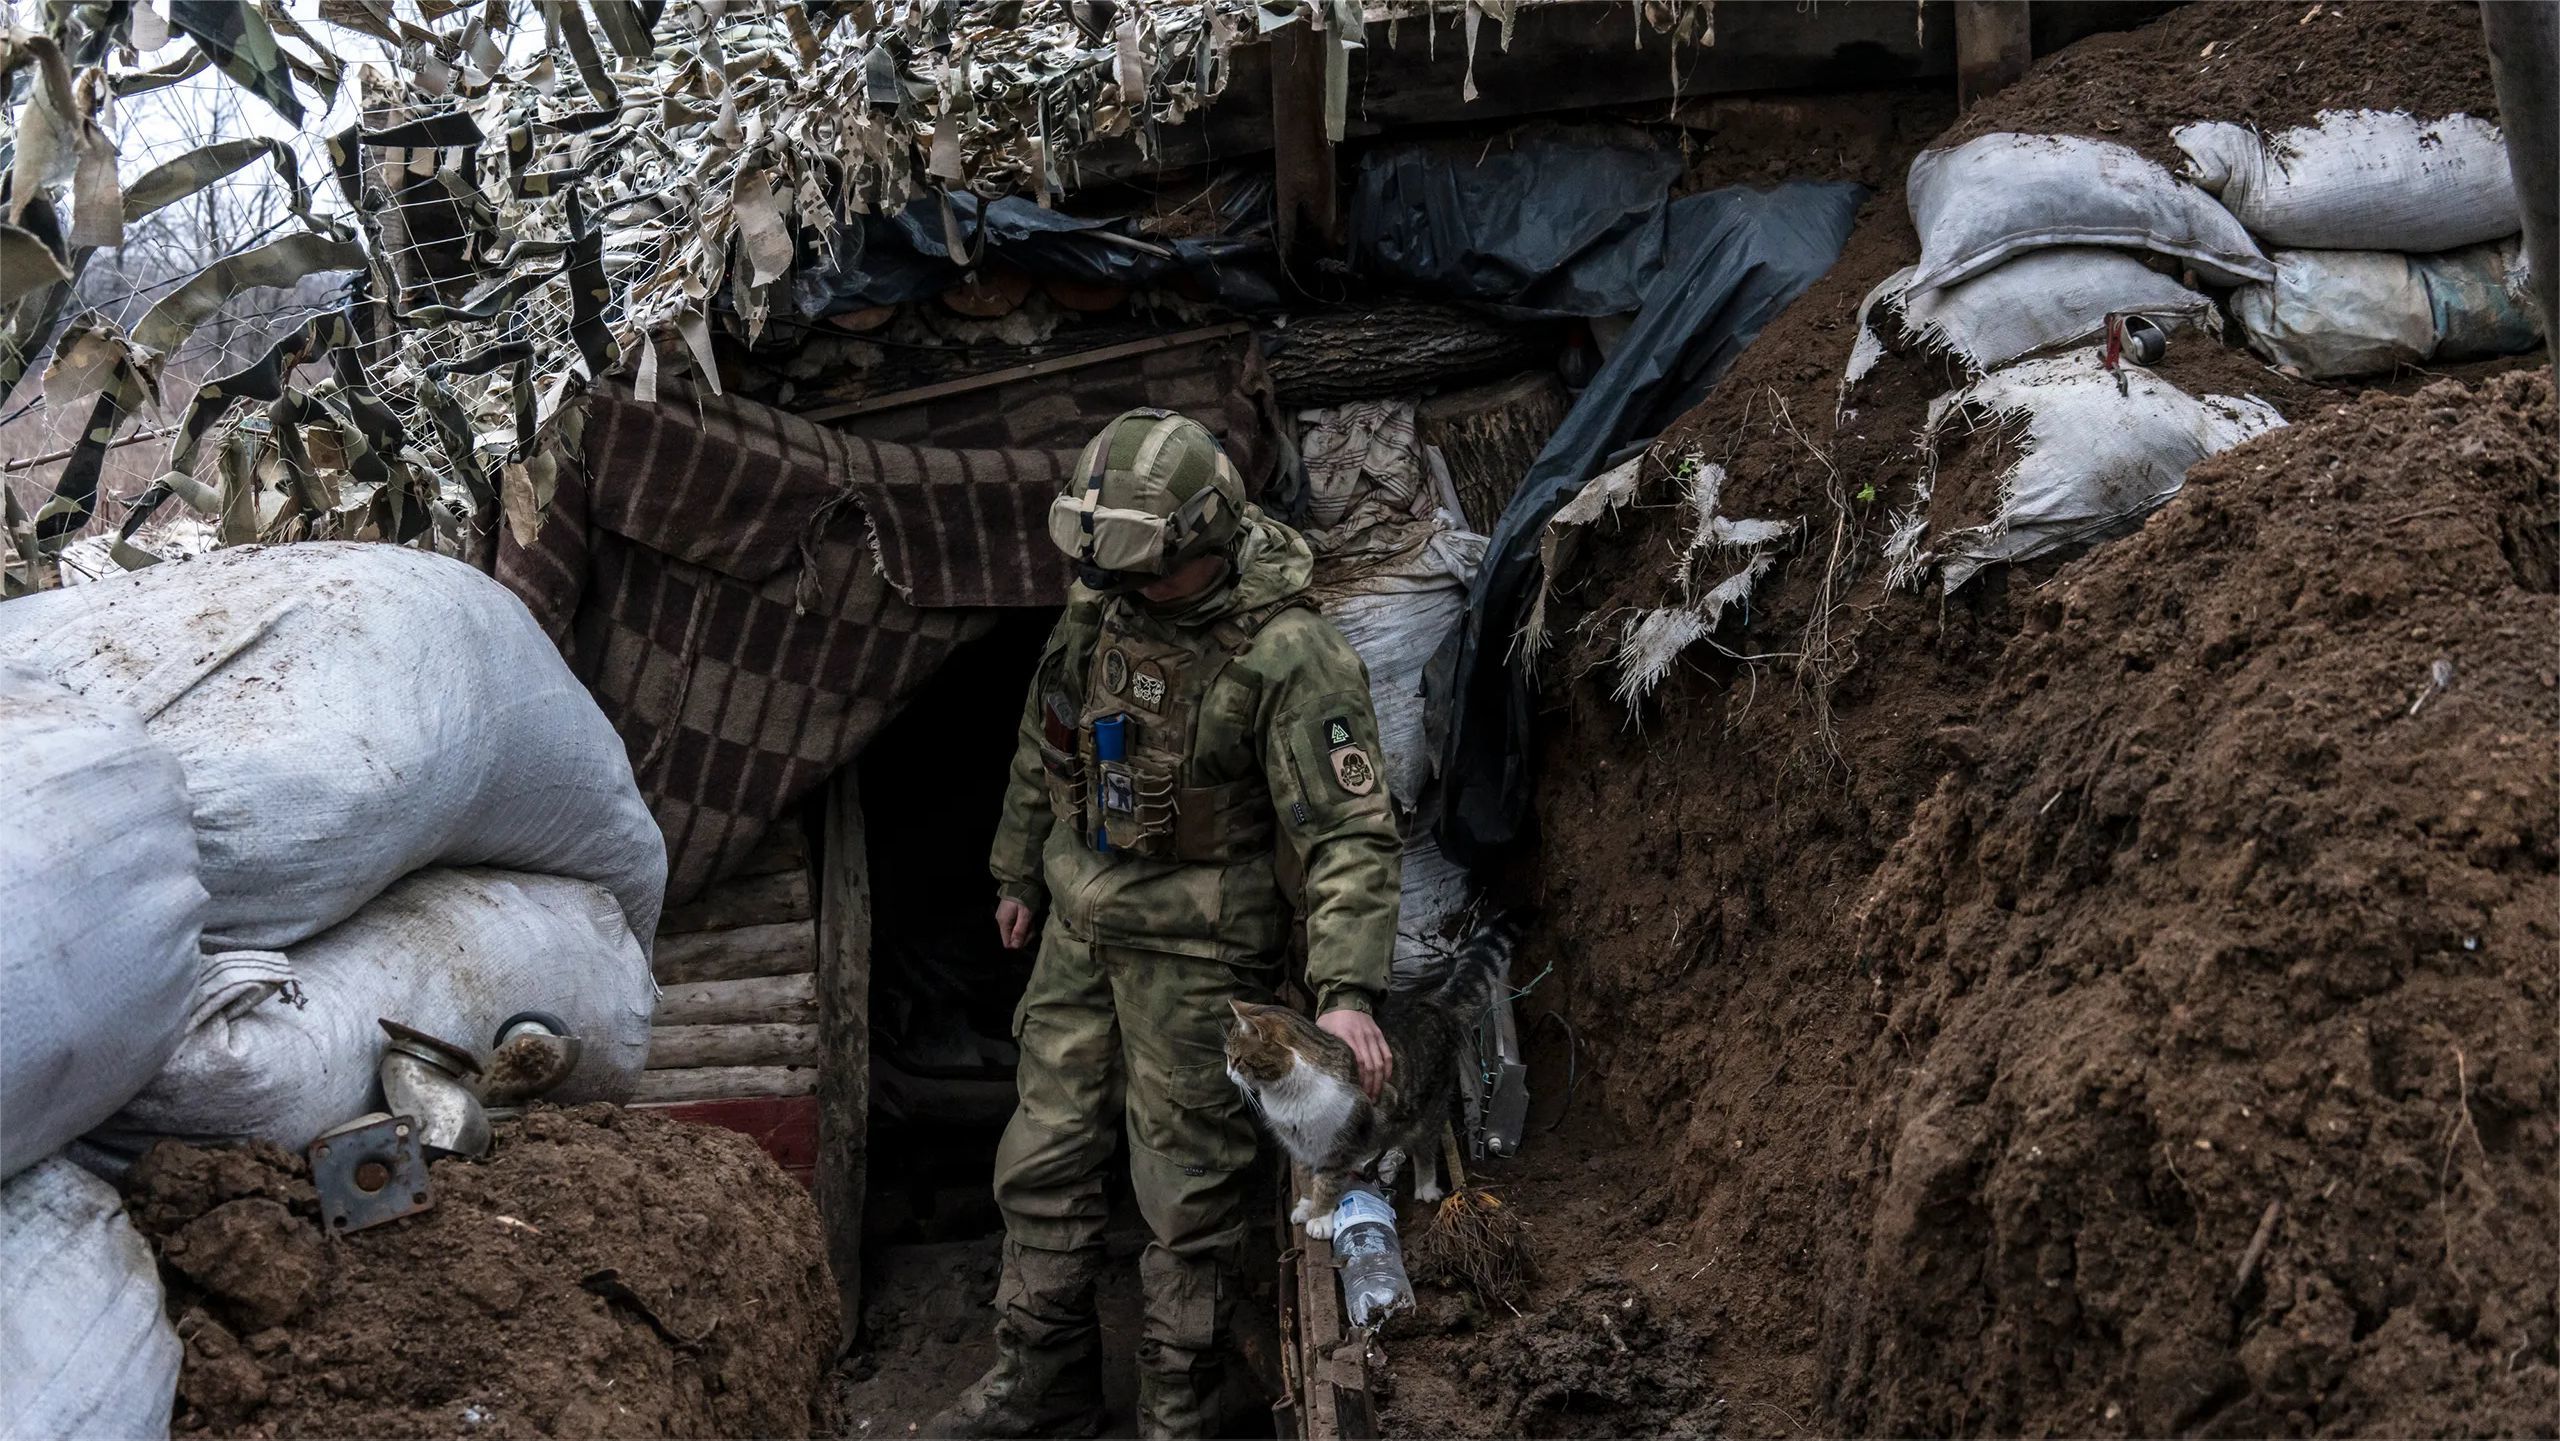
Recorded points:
(943, 993)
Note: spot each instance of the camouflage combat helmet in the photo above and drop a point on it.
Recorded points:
(1150, 493)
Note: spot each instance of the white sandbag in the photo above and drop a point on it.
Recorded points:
(2000, 196)
(345, 714)
(2335, 313)
(2093, 460)
(85, 1349)
(2360, 180)
(2042, 301)
(1436, 895)
(102, 907)
(1394, 633)
(282, 1054)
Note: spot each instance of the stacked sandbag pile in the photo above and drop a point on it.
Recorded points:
(1393, 563)
(260, 801)
(2033, 247)
(2394, 240)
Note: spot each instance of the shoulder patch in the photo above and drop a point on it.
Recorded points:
(1337, 732)
(1352, 771)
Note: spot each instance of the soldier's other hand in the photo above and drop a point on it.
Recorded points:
(1368, 1046)
(1013, 924)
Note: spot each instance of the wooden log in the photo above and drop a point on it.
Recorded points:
(844, 1038)
(756, 1000)
(742, 901)
(1397, 349)
(1489, 435)
(722, 1083)
(2524, 64)
(1992, 47)
(747, 1043)
(782, 949)
(1306, 197)
(989, 295)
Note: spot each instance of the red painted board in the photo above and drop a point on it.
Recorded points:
(785, 1126)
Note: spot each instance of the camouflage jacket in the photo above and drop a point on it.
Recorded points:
(1284, 720)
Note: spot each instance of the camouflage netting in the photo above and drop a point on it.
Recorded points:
(644, 173)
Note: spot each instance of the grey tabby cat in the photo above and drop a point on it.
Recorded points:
(1305, 1085)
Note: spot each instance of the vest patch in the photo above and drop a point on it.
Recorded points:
(1337, 733)
(1115, 670)
(1146, 687)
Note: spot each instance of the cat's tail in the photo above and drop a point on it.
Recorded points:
(1482, 964)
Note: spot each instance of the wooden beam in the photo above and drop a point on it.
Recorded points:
(766, 999)
(723, 1083)
(1993, 47)
(844, 1037)
(750, 1043)
(1306, 195)
(847, 410)
(2524, 52)
(781, 949)
(743, 901)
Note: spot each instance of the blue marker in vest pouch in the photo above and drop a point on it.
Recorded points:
(1119, 796)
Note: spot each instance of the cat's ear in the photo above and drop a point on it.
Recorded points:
(1243, 1012)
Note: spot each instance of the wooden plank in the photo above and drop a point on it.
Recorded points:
(683, 1048)
(782, 949)
(719, 1083)
(742, 901)
(1306, 196)
(765, 999)
(1992, 47)
(1055, 365)
(844, 1037)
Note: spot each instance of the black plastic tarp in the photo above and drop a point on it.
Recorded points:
(907, 255)
(1555, 221)
(1736, 257)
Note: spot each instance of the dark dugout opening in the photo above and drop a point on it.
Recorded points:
(943, 993)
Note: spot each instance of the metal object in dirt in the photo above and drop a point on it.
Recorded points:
(369, 1171)
(1504, 1081)
(534, 1053)
(437, 1082)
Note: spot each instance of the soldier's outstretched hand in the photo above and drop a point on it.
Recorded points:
(1368, 1046)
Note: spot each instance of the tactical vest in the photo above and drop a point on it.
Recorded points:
(1148, 800)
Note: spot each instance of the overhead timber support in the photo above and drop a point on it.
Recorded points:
(1305, 190)
(1993, 47)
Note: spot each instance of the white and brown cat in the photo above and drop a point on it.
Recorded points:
(1305, 1085)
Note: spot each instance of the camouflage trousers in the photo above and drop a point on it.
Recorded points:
(1116, 1040)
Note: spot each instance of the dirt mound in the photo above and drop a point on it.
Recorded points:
(603, 1273)
(1705, 863)
(2268, 65)
(2236, 916)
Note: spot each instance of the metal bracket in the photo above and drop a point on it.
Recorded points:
(1502, 1109)
(369, 1171)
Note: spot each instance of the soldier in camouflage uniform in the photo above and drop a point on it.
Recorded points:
(1196, 770)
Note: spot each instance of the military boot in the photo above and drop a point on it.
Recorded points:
(1047, 1380)
(1181, 1354)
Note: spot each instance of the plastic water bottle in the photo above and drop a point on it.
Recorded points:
(1374, 1285)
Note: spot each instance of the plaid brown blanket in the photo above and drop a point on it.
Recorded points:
(751, 596)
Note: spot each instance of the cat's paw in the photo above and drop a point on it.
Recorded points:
(1427, 1191)
(1390, 1166)
(1298, 1214)
(1320, 1228)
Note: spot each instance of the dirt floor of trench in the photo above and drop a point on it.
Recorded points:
(2092, 1003)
